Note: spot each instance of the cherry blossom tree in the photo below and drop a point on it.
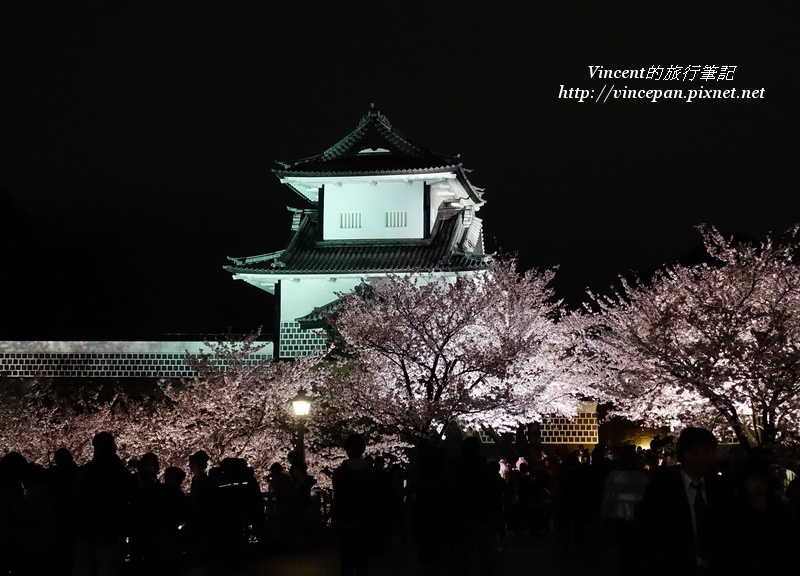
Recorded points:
(714, 340)
(425, 350)
(39, 416)
(236, 406)
(33, 417)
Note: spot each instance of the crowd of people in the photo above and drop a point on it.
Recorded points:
(681, 512)
(109, 517)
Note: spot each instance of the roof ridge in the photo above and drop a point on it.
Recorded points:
(376, 118)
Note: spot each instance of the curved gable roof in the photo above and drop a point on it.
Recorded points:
(374, 147)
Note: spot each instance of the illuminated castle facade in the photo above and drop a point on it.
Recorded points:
(380, 204)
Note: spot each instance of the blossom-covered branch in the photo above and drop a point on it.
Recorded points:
(720, 338)
(429, 349)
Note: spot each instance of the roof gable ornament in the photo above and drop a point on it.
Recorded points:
(373, 128)
(373, 112)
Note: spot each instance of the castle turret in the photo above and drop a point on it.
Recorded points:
(380, 204)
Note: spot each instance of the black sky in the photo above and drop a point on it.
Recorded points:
(136, 140)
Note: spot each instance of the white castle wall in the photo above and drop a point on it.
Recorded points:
(365, 210)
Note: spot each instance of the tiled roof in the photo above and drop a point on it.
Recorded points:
(317, 317)
(387, 152)
(305, 254)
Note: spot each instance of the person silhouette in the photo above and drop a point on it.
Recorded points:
(201, 525)
(12, 510)
(239, 505)
(623, 490)
(432, 508)
(147, 518)
(303, 482)
(62, 477)
(576, 495)
(287, 508)
(764, 523)
(686, 510)
(39, 546)
(475, 491)
(103, 496)
(355, 491)
(175, 514)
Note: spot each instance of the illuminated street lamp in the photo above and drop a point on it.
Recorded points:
(301, 404)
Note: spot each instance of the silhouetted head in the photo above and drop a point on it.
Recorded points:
(198, 462)
(696, 450)
(627, 457)
(104, 444)
(148, 466)
(13, 465)
(174, 476)
(295, 457)
(63, 457)
(215, 473)
(755, 477)
(354, 446)
(234, 467)
(276, 468)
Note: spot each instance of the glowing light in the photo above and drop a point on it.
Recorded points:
(301, 404)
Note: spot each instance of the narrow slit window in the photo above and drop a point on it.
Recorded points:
(396, 219)
(350, 220)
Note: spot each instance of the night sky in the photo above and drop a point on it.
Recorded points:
(137, 140)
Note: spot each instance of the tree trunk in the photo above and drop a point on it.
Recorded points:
(732, 418)
(768, 431)
(739, 430)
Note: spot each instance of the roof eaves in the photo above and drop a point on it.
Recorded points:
(255, 259)
(432, 170)
(475, 193)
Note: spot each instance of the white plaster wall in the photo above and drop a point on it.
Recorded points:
(300, 296)
(108, 347)
(373, 200)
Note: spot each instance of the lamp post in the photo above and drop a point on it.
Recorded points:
(301, 404)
